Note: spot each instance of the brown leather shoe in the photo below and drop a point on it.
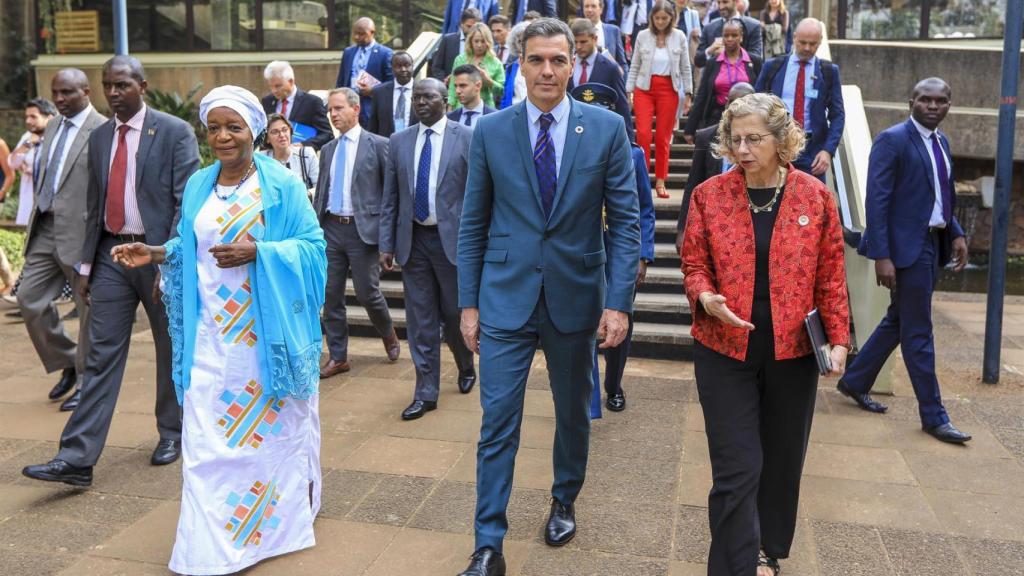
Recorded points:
(392, 346)
(333, 368)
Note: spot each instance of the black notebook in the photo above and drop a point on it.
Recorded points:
(819, 341)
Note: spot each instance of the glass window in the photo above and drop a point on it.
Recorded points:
(884, 19)
(966, 18)
(224, 25)
(295, 25)
(157, 25)
(76, 28)
(428, 16)
(386, 16)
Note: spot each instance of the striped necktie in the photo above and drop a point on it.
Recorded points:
(544, 163)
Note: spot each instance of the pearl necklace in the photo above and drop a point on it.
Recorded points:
(775, 197)
(248, 172)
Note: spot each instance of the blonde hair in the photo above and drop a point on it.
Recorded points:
(782, 6)
(788, 135)
(478, 28)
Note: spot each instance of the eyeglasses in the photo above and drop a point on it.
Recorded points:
(279, 132)
(753, 140)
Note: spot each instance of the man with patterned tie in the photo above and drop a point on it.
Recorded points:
(139, 162)
(392, 101)
(56, 231)
(468, 84)
(365, 55)
(419, 229)
(500, 27)
(531, 268)
(348, 204)
(911, 235)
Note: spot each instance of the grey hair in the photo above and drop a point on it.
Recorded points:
(279, 69)
(350, 95)
(548, 28)
(789, 136)
(513, 39)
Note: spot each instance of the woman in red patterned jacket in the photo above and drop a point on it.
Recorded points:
(763, 247)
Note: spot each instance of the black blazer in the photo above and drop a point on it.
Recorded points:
(705, 166)
(456, 115)
(382, 117)
(444, 57)
(705, 109)
(306, 109)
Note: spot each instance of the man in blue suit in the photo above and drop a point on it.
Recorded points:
(609, 36)
(911, 234)
(517, 9)
(453, 11)
(531, 267)
(365, 55)
(592, 66)
(818, 108)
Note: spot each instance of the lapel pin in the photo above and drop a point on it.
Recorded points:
(579, 129)
(803, 220)
(151, 132)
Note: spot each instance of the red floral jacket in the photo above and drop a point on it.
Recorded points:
(806, 266)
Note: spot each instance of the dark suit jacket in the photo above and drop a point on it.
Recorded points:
(828, 117)
(444, 56)
(382, 117)
(400, 191)
(168, 155)
(371, 164)
(606, 72)
(753, 39)
(614, 48)
(705, 165)
(456, 115)
(305, 109)
(378, 65)
(901, 194)
(704, 104)
(453, 12)
(518, 8)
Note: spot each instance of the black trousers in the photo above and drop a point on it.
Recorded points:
(757, 414)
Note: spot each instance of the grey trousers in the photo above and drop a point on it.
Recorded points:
(116, 293)
(432, 295)
(347, 251)
(43, 279)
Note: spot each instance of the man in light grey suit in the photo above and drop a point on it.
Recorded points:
(139, 162)
(423, 190)
(348, 204)
(56, 231)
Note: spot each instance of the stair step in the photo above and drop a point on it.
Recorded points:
(676, 164)
(665, 251)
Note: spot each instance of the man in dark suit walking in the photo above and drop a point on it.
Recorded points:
(297, 106)
(517, 9)
(911, 234)
(453, 10)
(139, 162)
(546, 177)
(348, 204)
(811, 89)
(392, 100)
(609, 36)
(56, 231)
(711, 36)
(468, 84)
(364, 56)
(419, 228)
(593, 66)
(452, 45)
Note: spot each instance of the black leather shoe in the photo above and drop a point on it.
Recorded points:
(67, 382)
(863, 400)
(485, 562)
(59, 471)
(466, 381)
(166, 451)
(948, 433)
(417, 409)
(71, 403)
(616, 403)
(561, 526)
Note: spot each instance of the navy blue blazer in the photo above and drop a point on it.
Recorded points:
(511, 255)
(606, 72)
(518, 8)
(901, 194)
(453, 13)
(456, 115)
(378, 65)
(826, 110)
(614, 47)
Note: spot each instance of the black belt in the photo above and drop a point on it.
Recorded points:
(427, 226)
(126, 238)
(342, 219)
(935, 229)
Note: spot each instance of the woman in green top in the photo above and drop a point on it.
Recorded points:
(480, 53)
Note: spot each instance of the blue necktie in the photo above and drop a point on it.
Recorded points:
(467, 117)
(52, 176)
(421, 207)
(544, 163)
(338, 178)
(945, 186)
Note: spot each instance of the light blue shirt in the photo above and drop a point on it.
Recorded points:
(936, 219)
(361, 59)
(789, 87)
(559, 128)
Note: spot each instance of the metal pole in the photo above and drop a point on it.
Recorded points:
(1001, 206)
(120, 27)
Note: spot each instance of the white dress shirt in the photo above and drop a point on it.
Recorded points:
(936, 219)
(132, 216)
(408, 103)
(558, 129)
(291, 103)
(477, 111)
(72, 126)
(600, 34)
(436, 142)
(350, 140)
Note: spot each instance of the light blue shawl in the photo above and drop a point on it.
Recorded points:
(288, 280)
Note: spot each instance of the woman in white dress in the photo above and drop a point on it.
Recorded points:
(243, 284)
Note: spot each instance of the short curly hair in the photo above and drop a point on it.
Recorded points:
(787, 133)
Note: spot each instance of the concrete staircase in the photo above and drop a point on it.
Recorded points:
(662, 313)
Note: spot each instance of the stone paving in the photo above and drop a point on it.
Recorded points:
(879, 497)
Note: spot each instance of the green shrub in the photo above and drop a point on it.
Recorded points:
(188, 110)
(13, 243)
